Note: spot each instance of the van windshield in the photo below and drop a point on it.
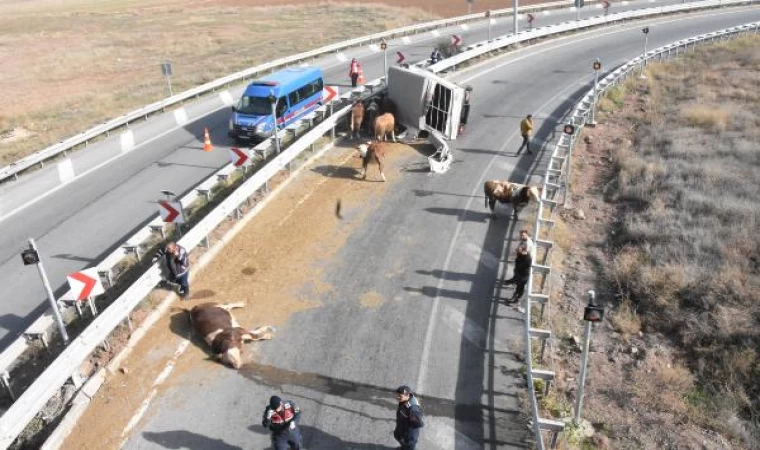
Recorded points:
(255, 106)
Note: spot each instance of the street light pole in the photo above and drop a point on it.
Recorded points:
(49, 291)
(514, 17)
(273, 102)
(597, 66)
(384, 48)
(584, 363)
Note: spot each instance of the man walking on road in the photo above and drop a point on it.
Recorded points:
(281, 418)
(526, 130)
(178, 266)
(409, 419)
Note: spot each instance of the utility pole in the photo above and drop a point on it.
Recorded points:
(32, 256)
(514, 17)
(597, 67)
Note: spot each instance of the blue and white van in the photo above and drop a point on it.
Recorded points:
(295, 92)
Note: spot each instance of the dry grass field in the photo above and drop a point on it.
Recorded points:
(68, 65)
(670, 180)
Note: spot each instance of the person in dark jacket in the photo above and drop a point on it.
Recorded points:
(409, 419)
(465, 109)
(371, 111)
(281, 418)
(178, 265)
(521, 275)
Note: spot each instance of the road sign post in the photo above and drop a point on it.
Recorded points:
(644, 53)
(32, 256)
(166, 70)
(591, 315)
(273, 102)
(578, 5)
(488, 18)
(514, 17)
(85, 285)
(384, 48)
(597, 66)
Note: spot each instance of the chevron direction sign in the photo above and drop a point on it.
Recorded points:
(329, 93)
(240, 157)
(456, 40)
(401, 58)
(85, 284)
(171, 212)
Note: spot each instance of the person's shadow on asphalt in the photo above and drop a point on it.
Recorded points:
(316, 439)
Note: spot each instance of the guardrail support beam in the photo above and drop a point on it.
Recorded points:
(5, 379)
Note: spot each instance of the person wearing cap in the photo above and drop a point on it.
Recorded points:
(281, 418)
(526, 129)
(409, 419)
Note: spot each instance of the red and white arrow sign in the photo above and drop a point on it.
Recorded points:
(85, 284)
(328, 94)
(171, 212)
(240, 157)
(456, 40)
(401, 58)
(531, 18)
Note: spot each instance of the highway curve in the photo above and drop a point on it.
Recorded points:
(404, 289)
(78, 224)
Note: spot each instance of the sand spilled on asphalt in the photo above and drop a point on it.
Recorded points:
(272, 266)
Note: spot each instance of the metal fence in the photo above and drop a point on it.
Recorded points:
(556, 185)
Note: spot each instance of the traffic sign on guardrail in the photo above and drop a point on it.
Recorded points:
(240, 157)
(171, 212)
(329, 93)
(85, 284)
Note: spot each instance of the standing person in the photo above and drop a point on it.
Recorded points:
(435, 56)
(281, 418)
(521, 274)
(465, 109)
(526, 129)
(178, 266)
(353, 72)
(409, 419)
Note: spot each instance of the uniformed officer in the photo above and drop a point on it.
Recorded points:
(282, 420)
(409, 419)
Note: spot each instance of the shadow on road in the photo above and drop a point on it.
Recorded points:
(316, 439)
(333, 171)
(181, 439)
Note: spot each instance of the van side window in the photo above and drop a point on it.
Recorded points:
(305, 92)
(282, 106)
(318, 85)
(294, 98)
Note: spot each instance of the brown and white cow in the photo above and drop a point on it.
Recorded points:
(518, 195)
(370, 151)
(357, 117)
(383, 125)
(218, 327)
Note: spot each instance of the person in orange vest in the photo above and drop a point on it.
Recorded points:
(354, 71)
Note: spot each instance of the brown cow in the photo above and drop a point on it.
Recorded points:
(518, 195)
(383, 125)
(223, 333)
(371, 151)
(357, 117)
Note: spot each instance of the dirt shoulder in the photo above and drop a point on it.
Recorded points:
(660, 229)
(271, 265)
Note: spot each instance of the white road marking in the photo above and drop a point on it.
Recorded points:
(127, 141)
(374, 48)
(464, 26)
(66, 171)
(442, 432)
(546, 13)
(341, 57)
(435, 33)
(406, 40)
(180, 115)
(183, 345)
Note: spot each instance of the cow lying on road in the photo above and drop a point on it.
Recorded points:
(218, 327)
(519, 195)
(371, 151)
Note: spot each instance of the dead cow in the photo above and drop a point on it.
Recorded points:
(357, 117)
(383, 125)
(370, 151)
(518, 195)
(223, 333)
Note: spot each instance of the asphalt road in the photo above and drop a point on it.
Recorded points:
(455, 344)
(79, 223)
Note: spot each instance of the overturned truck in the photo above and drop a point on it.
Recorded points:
(427, 103)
